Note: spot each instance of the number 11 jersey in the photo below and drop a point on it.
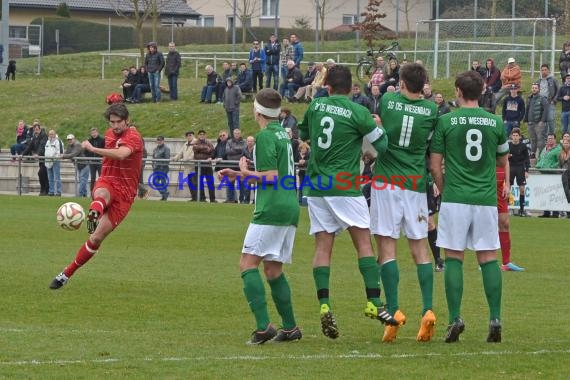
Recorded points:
(409, 125)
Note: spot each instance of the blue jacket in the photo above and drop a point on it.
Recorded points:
(299, 51)
(257, 65)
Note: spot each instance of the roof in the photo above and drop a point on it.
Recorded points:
(171, 8)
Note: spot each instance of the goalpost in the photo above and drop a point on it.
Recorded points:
(448, 46)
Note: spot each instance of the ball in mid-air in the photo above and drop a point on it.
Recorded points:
(70, 216)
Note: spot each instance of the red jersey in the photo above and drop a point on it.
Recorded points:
(124, 175)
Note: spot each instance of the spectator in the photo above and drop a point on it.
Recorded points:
(476, 66)
(211, 86)
(330, 63)
(154, 63)
(186, 154)
(219, 153)
(289, 122)
(95, 165)
(245, 195)
(244, 79)
(257, 62)
(142, 86)
(303, 162)
(442, 107)
(492, 77)
(124, 83)
(287, 54)
(203, 150)
(142, 191)
(173, 63)
(36, 148)
(234, 70)
(377, 77)
(535, 116)
(11, 70)
(391, 77)
(564, 155)
(72, 151)
(53, 149)
(549, 89)
(511, 74)
(272, 56)
(317, 85)
(161, 153)
(226, 73)
(519, 164)
(358, 97)
(368, 159)
(294, 79)
(564, 98)
(564, 61)
(131, 79)
(298, 50)
(21, 140)
(374, 106)
(548, 159)
(513, 110)
(427, 93)
(307, 81)
(234, 151)
(232, 100)
(486, 100)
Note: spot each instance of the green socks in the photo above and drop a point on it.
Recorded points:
(425, 278)
(322, 276)
(453, 287)
(390, 279)
(493, 285)
(281, 293)
(255, 294)
(369, 269)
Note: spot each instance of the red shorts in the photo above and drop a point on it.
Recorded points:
(119, 206)
(502, 203)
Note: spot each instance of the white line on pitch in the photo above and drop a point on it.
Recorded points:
(268, 357)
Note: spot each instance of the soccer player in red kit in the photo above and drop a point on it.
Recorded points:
(503, 191)
(116, 188)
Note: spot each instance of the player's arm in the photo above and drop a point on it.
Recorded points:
(254, 176)
(507, 185)
(436, 165)
(119, 153)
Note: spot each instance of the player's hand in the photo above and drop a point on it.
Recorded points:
(377, 119)
(87, 145)
(435, 191)
(227, 173)
(506, 191)
(525, 175)
(244, 164)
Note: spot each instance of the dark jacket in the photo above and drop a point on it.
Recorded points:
(37, 144)
(518, 155)
(212, 79)
(75, 150)
(443, 108)
(564, 91)
(272, 53)
(552, 87)
(154, 62)
(363, 100)
(513, 109)
(235, 148)
(161, 152)
(564, 63)
(535, 109)
(493, 77)
(296, 75)
(220, 153)
(232, 98)
(309, 77)
(173, 63)
(98, 142)
(244, 80)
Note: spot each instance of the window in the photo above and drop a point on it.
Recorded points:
(229, 22)
(348, 19)
(206, 21)
(18, 32)
(268, 8)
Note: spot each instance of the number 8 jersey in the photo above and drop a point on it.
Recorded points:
(409, 125)
(470, 139)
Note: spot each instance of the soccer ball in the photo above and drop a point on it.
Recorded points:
(70, 216)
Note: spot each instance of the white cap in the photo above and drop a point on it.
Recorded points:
(511, 60)
(70, 137)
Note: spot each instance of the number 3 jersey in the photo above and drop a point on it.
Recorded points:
(470, 140)
(409, 125)
(336, 127)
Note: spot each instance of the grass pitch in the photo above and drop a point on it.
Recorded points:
(163, 299)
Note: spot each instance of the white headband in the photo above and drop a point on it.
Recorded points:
(269, 112)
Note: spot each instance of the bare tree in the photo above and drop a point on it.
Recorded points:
(324, 7)
(136, 12)
(406, 7)
(245, 10)
(156, 7)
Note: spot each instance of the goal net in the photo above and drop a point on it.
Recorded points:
(448, 46)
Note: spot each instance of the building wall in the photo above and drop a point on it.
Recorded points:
(292, 9)
(25, 17)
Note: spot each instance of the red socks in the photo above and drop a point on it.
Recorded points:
(99, 204)
(84, 254)
(505, 240)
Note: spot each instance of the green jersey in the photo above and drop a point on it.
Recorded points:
(276, 201)
(409, 125)
(336, 126)
(470, 139)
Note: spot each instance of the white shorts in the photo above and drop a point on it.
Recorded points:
(273, 243)
(395, 210)
(336, 214)
(473, 227)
